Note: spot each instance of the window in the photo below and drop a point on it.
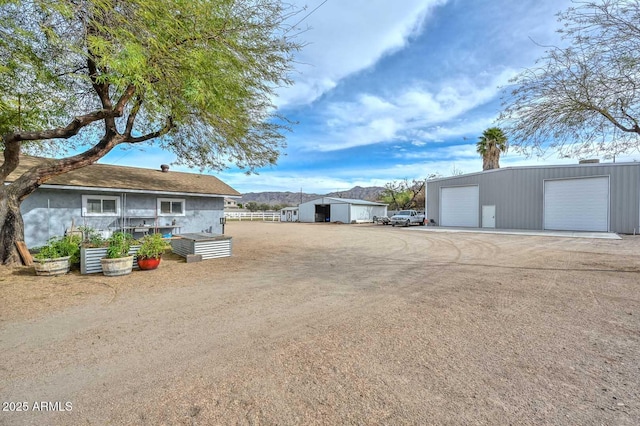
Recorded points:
(100, 205)
(170, 207)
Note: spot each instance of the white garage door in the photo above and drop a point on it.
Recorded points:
(577, 204)
(459, 206)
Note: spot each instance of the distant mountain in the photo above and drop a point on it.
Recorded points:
(371, 193)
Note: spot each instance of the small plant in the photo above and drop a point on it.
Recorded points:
(118, 245)
(91, 237)
(57, 247)
(151, 246)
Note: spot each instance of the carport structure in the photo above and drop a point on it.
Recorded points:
(345, 210)
(601, 197)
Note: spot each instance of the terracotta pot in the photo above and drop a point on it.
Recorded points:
(117, 267)
(148, 263)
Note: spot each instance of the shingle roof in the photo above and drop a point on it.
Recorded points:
(102, 176)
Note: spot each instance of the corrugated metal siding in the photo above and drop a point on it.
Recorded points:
(340, 213)
(208, 249)
(90, 259)
(518, 193)
(362, 214)
(307, 212)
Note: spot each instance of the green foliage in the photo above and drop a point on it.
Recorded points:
(118, 245)
(205, 72)
(152, 245)
(403, 195)
(56, 247)
(492, 142)
(252, 206)
(492, 137)
(91, 237)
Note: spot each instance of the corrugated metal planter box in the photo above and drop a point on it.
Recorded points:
(90, 258)
(207, 245)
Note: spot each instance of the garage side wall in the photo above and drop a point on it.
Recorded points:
(518, 194)
(307, 212)
(340, 213)
(361, 214)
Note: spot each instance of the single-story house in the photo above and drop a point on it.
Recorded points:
(230, 203)
(289, 214)
(330, 209)
(109, 198)
(580, 197)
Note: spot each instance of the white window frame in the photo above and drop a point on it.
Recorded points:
(85, 198)
(171, 200)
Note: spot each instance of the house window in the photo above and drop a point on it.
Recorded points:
(100, 205)
(170, 207)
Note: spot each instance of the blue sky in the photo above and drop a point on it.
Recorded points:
(387, 90)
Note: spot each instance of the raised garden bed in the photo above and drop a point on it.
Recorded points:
(90, 258)
(209, 246)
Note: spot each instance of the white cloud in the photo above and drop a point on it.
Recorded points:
(416, 115)
(345, 37)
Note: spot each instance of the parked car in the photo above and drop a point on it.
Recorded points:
(407, 217)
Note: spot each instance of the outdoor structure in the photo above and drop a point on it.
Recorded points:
(111, 198)
(289, 214)
(208, 246)
(230, 203)
(330, 209)
(581, 197)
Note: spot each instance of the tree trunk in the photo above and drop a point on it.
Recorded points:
(491, 158)
(12, 195)
(12, 227)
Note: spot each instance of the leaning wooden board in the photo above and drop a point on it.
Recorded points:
(24, 253)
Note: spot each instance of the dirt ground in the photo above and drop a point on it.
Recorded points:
(334, 324)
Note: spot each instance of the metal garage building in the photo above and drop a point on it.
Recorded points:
(582, 197)
(330, 209)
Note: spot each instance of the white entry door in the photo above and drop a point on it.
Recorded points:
(488, 216)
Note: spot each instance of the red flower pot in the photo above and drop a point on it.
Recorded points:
(147, 263)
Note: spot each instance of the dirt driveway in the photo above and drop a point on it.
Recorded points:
(334, 324)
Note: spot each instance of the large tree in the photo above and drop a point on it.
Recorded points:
(80, 77)
(492, 142)
(582, 98)
(402, 195)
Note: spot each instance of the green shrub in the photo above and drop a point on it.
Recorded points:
(56, 247)
(152, 245)
(91, 237)
(118, 245)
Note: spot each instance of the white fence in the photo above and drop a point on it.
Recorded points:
(263, 216)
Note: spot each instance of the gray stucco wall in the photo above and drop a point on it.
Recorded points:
(49, 212)
(518, 193)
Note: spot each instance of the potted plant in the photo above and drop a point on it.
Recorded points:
(118, 261)
(150, 253)
(56, 257)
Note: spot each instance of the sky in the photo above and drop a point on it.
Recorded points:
(390, 90)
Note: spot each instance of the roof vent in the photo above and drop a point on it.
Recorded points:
(164, 168)
(589, 161)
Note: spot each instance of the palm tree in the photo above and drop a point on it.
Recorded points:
(491, 144)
